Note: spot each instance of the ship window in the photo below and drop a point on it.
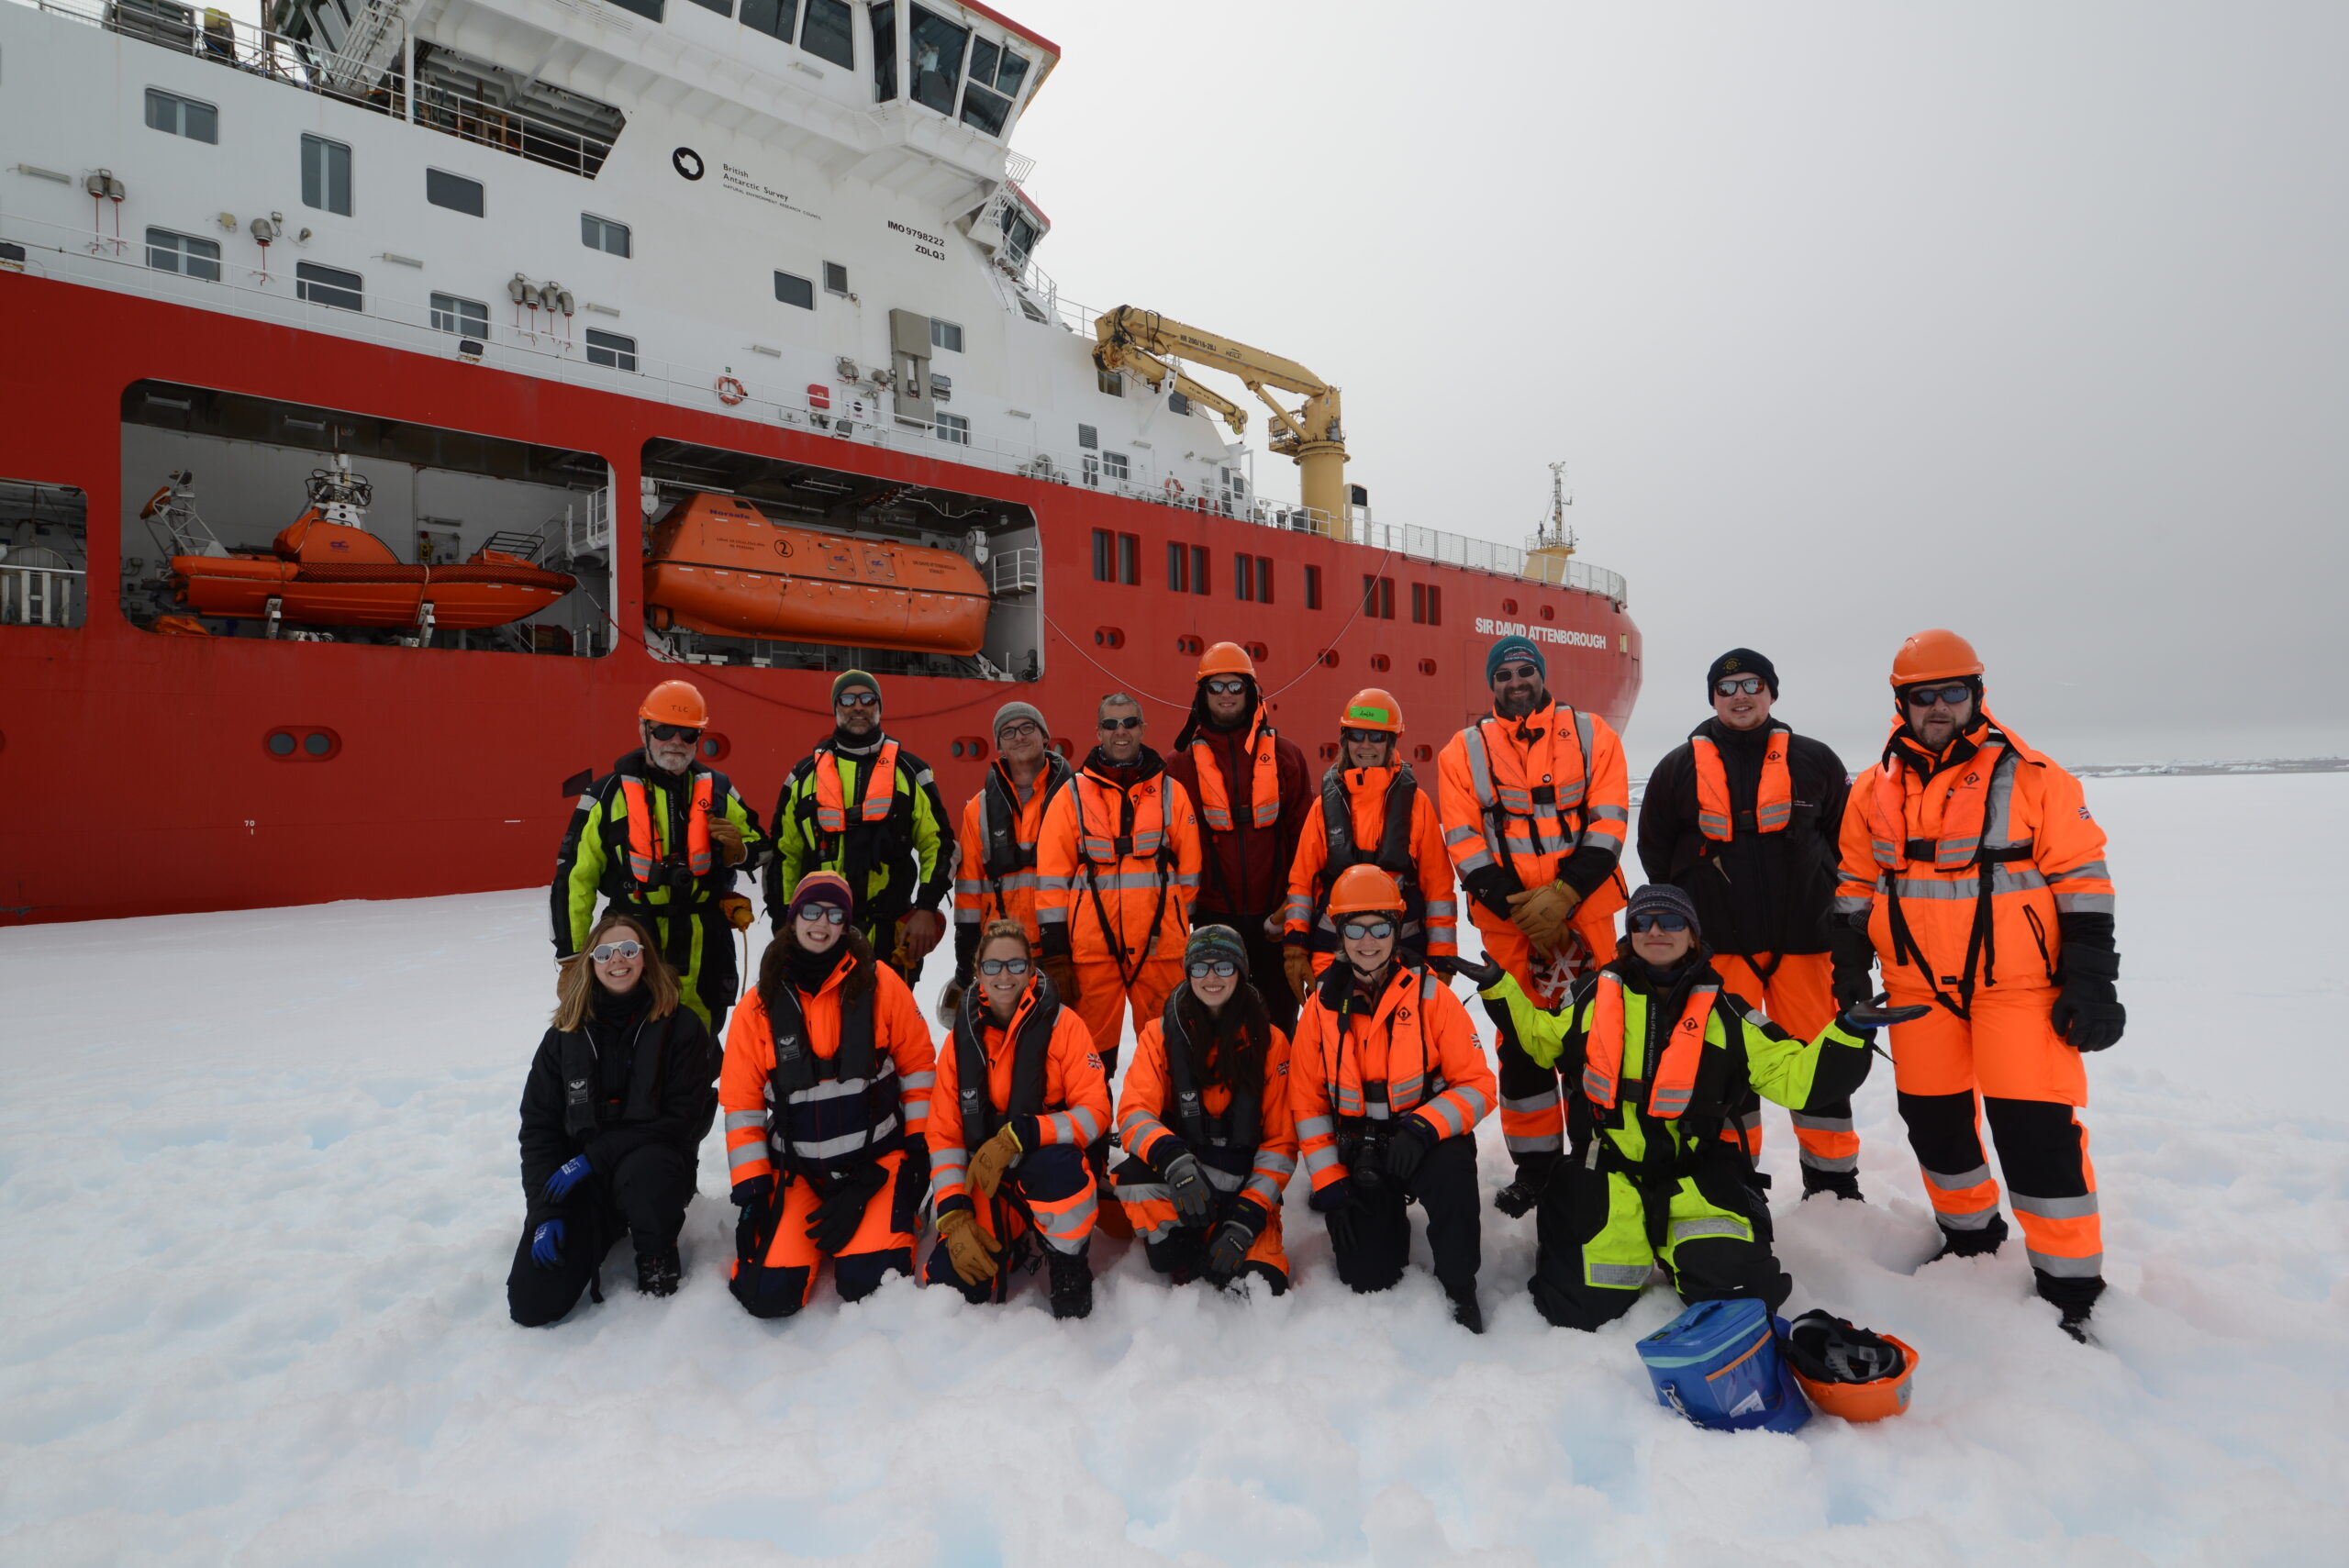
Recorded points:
(1111, 382)
(793, 289)
(1105, 549)
(468, 317)
(1092, 471)
(945, 334)
(1313, 587)
(723, 7)
(885, 51)
(827, 34)
(934, 58)
(1087, 436)
(1378, 598)
(955, 428)
(1019, 236)
(649, 9)
(1178, 568)
(1243, 575)
(454, 191)
(1116, 466)
(602, 234)
(169, 252)
(835, 278)
(328, 285)
(176, 116)
(1263, 579)
(984, 110)
(1179, 404)
(1427, 604)
(326, 176)
(771, 16)
(995, 75)
(611, 348)
(1198, 569)
(1129, 560)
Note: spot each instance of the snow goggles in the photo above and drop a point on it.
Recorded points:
(831, 914)
(1003, 966)
(1734, 685)
(1233, 687)
(855, 698)
(1516, 671)
(1926, 697)
(610, 951)
(1221, 968)
(676, 732)
(1367, 930)
(1133, 723)
(1654, 922)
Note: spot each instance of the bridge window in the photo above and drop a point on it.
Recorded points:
(934, 49)
(602, 234)
(326, 176)
(772, 17)
(826, 33)
(454, 191)
(185, 253)
(723, 7)
(329, 286)
(176, 116)
(996, 76)
(885, 50)
(650, 9)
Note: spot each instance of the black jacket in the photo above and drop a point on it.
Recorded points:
(1760, 892)
(656, 1082)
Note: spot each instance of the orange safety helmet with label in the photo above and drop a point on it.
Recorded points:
(1371, 708)
(1848, 1372)
(1935, 655)
(676, 702)
(1365, 890)
(1226, 659)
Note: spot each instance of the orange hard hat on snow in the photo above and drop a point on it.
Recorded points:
(1226, 659)
(676, 702)
(1849, 1371)
(1365, 890)
(1935, 655)
(1371, 708)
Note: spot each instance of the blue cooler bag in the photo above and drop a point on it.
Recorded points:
(1718, 1364)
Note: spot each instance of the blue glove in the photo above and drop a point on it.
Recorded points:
(546, 1244)
(572, 1171)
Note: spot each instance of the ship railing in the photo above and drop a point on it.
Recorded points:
(213, 35)
(43, 596)
(1019, 571)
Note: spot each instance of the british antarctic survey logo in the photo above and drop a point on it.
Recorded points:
(686, 161)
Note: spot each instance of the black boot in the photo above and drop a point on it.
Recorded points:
(1972, 1243)
(1468, 1314)
(658, 1270)
(1842, 1183)
(1072, 1284)
(2075, 1322)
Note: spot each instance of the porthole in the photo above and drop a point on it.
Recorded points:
(1426, 666)
(1330, 657)
(316, 744)
(1328, 750)
(1107, 637)
(1063, 746)
(1548, 612)
(969, 746)
(714, 745)
(1508, 607)
(1380, 663)
(1191, 645)
(281, 743)
(1258, 651)
(1423, 754)
(955, 750)
(302, 743)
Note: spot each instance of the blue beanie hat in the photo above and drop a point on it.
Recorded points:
(1510, 647)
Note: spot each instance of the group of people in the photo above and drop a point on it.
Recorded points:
(1286, 950)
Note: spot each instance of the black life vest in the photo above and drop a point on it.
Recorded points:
(1032, 1044)
(863, 843)
(1393, 854)
(1228, 1142)
(825, 1115)
(585, 1110)
(1000, 820)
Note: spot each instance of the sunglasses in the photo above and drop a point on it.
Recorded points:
(674, 732)
(1003, 966)
(1517, 672)
(1748, 685)
(1133, 723)
(1233, 687)
(610, 951)
(1023, 730)
(1926, 697)
(1222, 968)
(830, 913)
(1659, 922)
(857, 699)
(1367, 930)
(1362, 737)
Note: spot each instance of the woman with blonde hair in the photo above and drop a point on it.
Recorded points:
(619, 1099)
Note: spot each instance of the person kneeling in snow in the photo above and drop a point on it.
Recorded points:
(1020, 1094)
(1658, 1061)
(1204, 1120)
(827, 1086)
(617, 1100)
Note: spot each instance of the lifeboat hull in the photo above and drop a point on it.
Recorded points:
(469, 597)
(720, 566)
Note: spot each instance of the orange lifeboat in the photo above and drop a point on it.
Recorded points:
(720, 566)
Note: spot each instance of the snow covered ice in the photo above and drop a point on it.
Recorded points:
(258, 1190)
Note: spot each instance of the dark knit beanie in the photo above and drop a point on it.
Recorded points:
(1210, 942)
(1662, 898)
(822, 887)
(1742, 662)
(848, 680)
(1510, 647)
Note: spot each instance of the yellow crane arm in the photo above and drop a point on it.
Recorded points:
(1156, 334)
(1155, 371)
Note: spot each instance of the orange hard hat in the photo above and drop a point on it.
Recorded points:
(676, 702)
(1935, 655)
(1226, 659)
(1848, 1372)
(1371, 708)
(1365, 890)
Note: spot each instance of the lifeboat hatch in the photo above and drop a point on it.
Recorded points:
(762, 561)
(251, 516)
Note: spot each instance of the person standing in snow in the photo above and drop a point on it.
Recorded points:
(995, 864)
(617, 1103)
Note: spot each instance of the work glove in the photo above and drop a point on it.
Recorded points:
(913, 1185)
(1408, 1148)
(1060, 970)
(750, 1201)
(1863, 1019)
(839, 1214)
(1194, 1199)
(1533, 1171)
(967, 1248)
(737, 910)
(1298, 964)
(546, 1244)
(990, 1160)
(950, 1003)
(727, 834)
(567, 1175)
(1481, 972)
(1227, 1248)
(1338, 1205)
(1541, 913)
(919, 932)
(2087, 1012)
(1853, 955)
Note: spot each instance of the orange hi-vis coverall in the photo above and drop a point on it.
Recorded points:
(1117, 872)
(851, 1091)
(1525, 802)
(1246, 1145)
(1965, 864)
(995, 867)
(1381, 817)
(1043, 1075)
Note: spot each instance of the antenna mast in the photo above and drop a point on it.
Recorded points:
(1555, 532)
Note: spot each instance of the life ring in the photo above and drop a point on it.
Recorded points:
(1173, 489)
(155, 502)
(731, 391)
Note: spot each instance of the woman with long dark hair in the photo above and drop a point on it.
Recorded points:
(1204, 1120)
(617, 1100)
(827, 1090)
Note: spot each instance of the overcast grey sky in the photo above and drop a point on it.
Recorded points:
(2027, 319)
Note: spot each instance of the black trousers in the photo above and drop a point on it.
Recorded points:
(645, 1197)
(1266, 971)
(1183, 1257)
(1444, 1187)
(1574, 1209)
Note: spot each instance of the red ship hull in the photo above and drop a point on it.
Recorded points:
(136, 776)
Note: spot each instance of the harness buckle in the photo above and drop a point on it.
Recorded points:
(1123, 845)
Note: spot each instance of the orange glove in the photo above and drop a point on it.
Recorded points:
(727, 834)
(976, 1258)
(1541, 913)
(1299, 965)
(989, 1162)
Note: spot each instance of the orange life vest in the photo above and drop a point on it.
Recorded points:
(1671, 1080)
(1531, 803)
(1774, 797)
(1965, 811)
(880, 789)
(644, 849)
(1264, 782)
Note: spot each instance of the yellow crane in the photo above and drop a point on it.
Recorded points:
(1313, 435)
(1154, 370)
